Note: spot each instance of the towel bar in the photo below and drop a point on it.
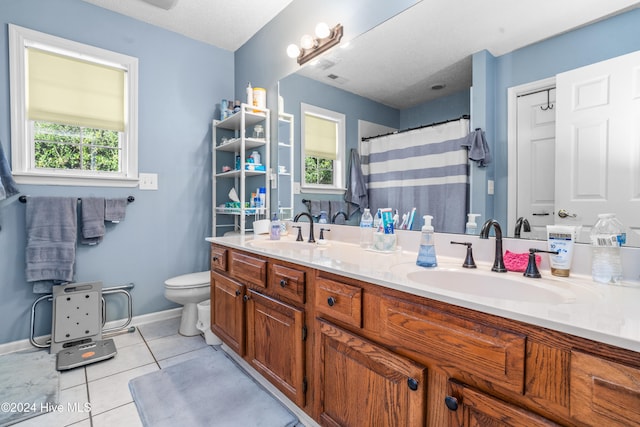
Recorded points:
(23, 199)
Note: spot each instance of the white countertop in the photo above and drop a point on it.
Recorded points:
(604, 313)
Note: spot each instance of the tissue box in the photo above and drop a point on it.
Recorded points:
(255, 167)
(384, 242)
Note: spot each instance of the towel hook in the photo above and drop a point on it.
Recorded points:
(549, 104)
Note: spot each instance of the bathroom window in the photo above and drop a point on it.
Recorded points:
(323, 142)
(74, 112)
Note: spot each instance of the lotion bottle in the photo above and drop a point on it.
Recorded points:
(427, 251)
(275, 228)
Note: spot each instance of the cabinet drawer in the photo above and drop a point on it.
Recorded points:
(455, 343)
(218, 258)
(287, 282)
(604, 393)
(339, 301)
(250, 270)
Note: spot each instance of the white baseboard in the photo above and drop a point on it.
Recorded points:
(25, 344)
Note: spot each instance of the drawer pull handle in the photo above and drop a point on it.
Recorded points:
(215, 259)
(238, 292)
(283, 283)
(331, 301)
(451, 402)
(412, 383)
(246, 298)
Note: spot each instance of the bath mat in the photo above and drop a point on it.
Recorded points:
(30, 385)
(206, 391)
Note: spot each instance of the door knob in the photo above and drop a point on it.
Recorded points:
(562, 213)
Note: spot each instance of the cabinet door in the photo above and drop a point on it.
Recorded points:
(604, 393)
(363, 384)
(275, 344)
(227, 311)
(471, 408)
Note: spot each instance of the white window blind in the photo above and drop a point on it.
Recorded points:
(320, 137)
(62, 89)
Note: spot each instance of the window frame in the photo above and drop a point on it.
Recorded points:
(339, 170)
(22, 143)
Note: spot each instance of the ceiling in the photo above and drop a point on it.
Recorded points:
(227, 24)
(430, 43)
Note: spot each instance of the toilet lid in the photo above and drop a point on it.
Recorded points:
(191, 280)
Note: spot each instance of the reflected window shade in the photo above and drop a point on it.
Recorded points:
(320, 137)
(62, 89)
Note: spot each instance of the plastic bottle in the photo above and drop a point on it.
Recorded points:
(377, 221)
(606, 238)
(323, 218)
(427, 251)
(366, 229)
(472, 226)
(256, 157)
(275, 228)
(262, 195)
(249, 94)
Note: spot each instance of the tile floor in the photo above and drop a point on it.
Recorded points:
(105, 385)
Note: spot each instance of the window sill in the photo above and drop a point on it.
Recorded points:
(85, 181)
(318, 190)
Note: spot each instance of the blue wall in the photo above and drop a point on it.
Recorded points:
(493, 76)
(441, 109)
(180, 81)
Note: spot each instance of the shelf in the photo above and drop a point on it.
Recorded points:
(236, 173)
(234, 145)
(251, 118)
(238, 211)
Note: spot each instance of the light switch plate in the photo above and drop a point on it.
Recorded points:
(296, 188)
(148, 181)
(490, 185)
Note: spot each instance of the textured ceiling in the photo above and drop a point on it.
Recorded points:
(227, 24)
(399, 61)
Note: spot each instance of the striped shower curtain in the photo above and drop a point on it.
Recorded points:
(425, 168)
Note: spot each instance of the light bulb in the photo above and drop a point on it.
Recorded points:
(322, 30)
(293, 51)
(307, 42)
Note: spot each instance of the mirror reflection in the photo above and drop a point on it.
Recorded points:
(344, 81)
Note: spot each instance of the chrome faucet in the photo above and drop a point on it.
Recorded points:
(308, 215)
(498, 263)
(333, 219)
(520, 223)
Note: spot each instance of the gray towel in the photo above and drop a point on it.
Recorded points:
(51, 224)
(478, 147)
(92, 220)
(319, 205)
(338, 206)
(8, 186)
(115, 209)
(356, 186)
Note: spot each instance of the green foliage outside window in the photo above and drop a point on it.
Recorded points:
(60, 146)
(318, 170)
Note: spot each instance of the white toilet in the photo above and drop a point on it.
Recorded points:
(188, 290)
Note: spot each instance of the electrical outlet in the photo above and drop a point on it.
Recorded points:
(148, 181)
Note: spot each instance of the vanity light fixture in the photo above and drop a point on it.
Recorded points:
(310, 47)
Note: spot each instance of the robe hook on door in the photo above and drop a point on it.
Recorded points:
(549, 104)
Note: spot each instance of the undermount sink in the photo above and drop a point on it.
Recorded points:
(498, 286)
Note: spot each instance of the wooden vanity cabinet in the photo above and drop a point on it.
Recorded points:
(376, 356)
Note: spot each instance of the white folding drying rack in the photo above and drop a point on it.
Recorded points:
(78, 319)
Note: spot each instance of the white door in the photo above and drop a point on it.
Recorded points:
(536, 141)
(598, 143)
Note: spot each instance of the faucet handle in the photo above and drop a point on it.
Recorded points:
(322, 234)
(299, 238)
(532, 267)
(468, 261)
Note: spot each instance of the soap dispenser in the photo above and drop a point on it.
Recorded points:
(427, 251)
(275, 228)
(472, 226)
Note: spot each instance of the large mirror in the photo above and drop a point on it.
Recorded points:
(431, 64)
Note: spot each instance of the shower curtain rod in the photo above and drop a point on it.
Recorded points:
(23, 199)
(464, 116)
